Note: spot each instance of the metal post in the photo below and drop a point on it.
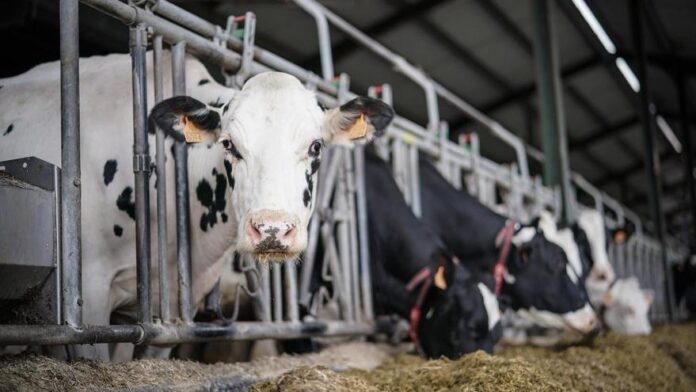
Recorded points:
(652, 164)
(551, 115)
(141, 169)
(162, 251)
(291, 310)
(688, 152)
(70, 206)
(363, 228)
(183, 251)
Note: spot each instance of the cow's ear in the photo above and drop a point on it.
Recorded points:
(357, 121)
(186, 119)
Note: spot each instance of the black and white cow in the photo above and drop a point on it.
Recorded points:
(458, 313)
(621, 304)
(538, 283)
(264, 142)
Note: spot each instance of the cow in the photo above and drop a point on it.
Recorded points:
(684, 278)
(252, 176)
(450, 310)
(621, 304)
(534, 278)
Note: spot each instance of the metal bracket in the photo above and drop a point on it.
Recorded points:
(239, 76)
(141, 163)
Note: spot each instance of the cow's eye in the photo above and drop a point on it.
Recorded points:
(230, 148)
(315, 148)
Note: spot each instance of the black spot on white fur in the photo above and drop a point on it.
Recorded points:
(8, 130)
(216, 103)
(125, 202)
(228, 171)
(203, 81)
(110, 168)
(118, 230)
(214, 201)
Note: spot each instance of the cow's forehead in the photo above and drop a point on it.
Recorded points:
(283, 110)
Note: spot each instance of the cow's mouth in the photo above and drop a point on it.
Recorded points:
(274, 256)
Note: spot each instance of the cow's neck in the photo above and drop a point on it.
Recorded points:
(214, 235)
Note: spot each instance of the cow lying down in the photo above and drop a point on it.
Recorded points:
(252, 176)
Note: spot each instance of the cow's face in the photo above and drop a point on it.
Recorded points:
(463, 318)
(626, 308)
(540, 285)
(273, 133)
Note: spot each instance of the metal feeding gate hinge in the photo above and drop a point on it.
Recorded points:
(141, 163)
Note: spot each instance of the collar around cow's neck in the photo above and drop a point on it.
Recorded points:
(424, 278)
(503, 241)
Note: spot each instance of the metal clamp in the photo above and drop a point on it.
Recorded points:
(141, 163)
(248, 34)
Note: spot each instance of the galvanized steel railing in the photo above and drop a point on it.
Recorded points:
(339, 222)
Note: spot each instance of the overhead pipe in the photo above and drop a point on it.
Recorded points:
(312, 8)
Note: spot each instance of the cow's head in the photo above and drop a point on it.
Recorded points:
(273, 133)
(626, 308)
(460, 315)
(541, 284)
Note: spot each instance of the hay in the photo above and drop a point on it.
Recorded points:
(37, 373)
(314, 378)
(663, 361)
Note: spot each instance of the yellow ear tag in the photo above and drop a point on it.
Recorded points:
(439, 280)
(359, 129)
(191, 133)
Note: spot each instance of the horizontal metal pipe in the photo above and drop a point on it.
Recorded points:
(180, 16)
(63, 334)
(149, 333)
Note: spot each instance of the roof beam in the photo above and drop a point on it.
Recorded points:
(603, 133)
(526, 91)
(404, 15)
(633, 169)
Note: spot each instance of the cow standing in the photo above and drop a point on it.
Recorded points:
(264, 142)
(450, 310)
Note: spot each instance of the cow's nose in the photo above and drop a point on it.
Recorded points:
(583, 321)
(271, 232)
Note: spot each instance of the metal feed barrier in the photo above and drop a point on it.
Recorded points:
(339, 224)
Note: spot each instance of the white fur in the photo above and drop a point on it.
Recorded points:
(490, 302)
(563, 238)
(627, 308)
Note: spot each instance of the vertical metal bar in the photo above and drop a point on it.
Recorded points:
(266, 290)
(141, 170)
(70, 207)
(327, 69)
(363, 229)
(291, 310)
(652, 164)
(415, 180)
(162, 251)
(353, 231)
(688, 153)
(277, 293)
(551, 115)
(183, 251)
(343, 234)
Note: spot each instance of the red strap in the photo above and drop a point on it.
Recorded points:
(423, 276)
(415, 316)
(503, 240)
